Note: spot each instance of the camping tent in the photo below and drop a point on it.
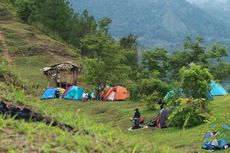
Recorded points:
(49, 93)
(173, 93)
(217, 89)
(117, 93)
(66, 91)
(74, 93)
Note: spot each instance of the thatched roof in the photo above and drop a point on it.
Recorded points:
(63, 66)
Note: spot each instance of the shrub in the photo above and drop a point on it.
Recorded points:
(195, 81)
(148, 86)
(25, 10)
(189, 113)
(151, 100)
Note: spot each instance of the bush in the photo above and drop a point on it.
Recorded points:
(148, 86)
(195, 81)
(189, 113)
(151, 100)
(25, 10)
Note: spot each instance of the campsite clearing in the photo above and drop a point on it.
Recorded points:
(116, 114)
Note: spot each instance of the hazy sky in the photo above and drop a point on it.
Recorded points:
(204, 1)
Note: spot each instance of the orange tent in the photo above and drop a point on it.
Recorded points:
(117, 93)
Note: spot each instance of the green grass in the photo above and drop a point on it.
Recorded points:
(116, 115)
(110, 121)
(99, 137)
(31, 50)
(33, 66)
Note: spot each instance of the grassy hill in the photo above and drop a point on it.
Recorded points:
(31, 49)
(108, 123)
(98, 127)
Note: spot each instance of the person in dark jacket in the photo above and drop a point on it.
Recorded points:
(163, 116)
(57, 93)
(136, 119)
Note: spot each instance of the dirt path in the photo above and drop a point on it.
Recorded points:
(5, 50)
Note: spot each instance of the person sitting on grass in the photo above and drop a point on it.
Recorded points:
(163, 116)
(85, 96)
(101, 96)
(136, 119)
(57, 93)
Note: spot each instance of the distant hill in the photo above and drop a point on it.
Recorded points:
(157, 22)
(217, 8)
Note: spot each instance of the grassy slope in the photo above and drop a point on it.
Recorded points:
(90, 136)
(116, 115)
(31, 50)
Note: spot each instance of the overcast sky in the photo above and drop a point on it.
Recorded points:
(202, 1)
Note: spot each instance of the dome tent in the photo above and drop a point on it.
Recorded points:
(217, 89)
(73, 93)
(117, 93)
(49, 93)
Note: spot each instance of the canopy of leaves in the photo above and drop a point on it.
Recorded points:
(156, 60)
(195, 52)
(190, 112)
(108, 63)
(195, 81)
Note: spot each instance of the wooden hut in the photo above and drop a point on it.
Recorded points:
(63, 74)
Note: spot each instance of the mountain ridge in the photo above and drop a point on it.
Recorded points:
(157, 23)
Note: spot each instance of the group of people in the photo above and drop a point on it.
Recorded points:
(93, 96)
(98, 94)
(159, 121)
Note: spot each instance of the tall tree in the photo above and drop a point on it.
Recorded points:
(107, 63)
(195, 81)
(156, 60)
(129, 45)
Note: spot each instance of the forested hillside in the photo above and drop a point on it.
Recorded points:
(157, 22)
(217, 8)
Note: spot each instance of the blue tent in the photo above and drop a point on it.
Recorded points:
(217, 89)
(173, 92)
(49, 93)
(74, 93)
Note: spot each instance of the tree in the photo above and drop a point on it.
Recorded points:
(156, 60)
(217, 52)
(98, 46)
(129, 42)
(129, 45)
(220, 71)
(195, 81)
(177, 61)
(58, 17)
(25, 10)
(190, 112)
(103, 24)
(107, 65)
(55, 14)
(195, 52)
(196, 49)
